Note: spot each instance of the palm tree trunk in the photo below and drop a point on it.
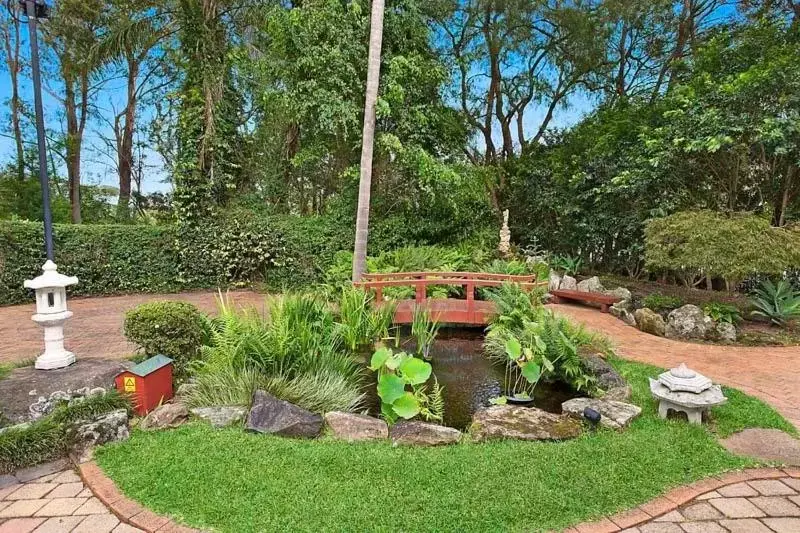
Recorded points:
(368, 139)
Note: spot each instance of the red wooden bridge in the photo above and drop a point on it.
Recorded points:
(446, 310)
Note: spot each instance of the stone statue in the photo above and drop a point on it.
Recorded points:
(505, 237)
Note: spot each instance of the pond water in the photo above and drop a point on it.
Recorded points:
(469, 378)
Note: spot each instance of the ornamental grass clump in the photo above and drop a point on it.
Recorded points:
(297, 351)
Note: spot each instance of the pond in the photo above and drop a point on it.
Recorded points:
(469, 378)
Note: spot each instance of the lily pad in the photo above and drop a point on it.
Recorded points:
(390, 388)
(406, 406)
(415, 371)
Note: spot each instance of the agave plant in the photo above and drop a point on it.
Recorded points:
(780, 302)
(569, 265)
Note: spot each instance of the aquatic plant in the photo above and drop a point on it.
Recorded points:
(424, 329)
(399, 372)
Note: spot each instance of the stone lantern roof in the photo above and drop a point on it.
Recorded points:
(50, 278)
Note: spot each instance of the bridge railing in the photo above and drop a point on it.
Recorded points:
(422, 280)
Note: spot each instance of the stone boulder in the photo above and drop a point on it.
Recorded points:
(724, 332)
(352, 427)
(607, 376)
(649, 321)
(271, 415)
(688, 322)
(524, 423)
(568, 283)
(555, 281)
(623, 314)
(614, 415)
(591, 285)
(169, 415)
(102, 429)
(220, 416)
(623, 294)
(423, 434)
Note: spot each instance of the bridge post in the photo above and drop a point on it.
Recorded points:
(419, 291)
(470, 289)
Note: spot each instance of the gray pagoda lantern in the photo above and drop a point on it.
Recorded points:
(684, 390)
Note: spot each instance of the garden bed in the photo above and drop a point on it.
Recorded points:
(663, 298)
(239, 482)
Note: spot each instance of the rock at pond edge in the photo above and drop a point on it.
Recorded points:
(169, 415)
(354, 427)
(615, 415)
(271, 415)
(418, 433)
(220, 416)
(522, 423)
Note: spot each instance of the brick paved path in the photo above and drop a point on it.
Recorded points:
(756, 506)
(95, 330)
(51, 498)
(769, 373)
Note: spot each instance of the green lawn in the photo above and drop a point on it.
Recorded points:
(238, 482)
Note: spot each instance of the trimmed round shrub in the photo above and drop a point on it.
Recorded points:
(174, 329)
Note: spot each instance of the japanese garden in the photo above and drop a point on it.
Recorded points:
(400, 265)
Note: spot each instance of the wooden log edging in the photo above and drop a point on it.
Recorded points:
(128, 511)
(677, 497)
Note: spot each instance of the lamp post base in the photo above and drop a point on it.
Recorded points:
(51, 361)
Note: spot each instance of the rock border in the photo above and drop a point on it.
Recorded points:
(128, 511)
(675, 498)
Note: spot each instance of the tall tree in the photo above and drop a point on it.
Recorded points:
(136, 29)
(10, 34)
(368, 139)
(72, 35)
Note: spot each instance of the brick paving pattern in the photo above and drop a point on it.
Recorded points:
(770, 506)
(765, 500)
(55, 500)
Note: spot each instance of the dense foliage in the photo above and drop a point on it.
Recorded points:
(298, 349)
(695, 246)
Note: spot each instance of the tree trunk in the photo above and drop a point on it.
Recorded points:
(73, 152)
(125, 155)
(368, 139)
(12, 53)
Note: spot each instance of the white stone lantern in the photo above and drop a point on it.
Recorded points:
(51, 313)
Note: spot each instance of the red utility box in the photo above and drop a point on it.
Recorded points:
(149, 383)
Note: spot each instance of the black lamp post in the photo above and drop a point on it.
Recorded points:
(37, 9)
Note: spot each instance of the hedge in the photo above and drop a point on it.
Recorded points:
(239, 248)
(697, 244)
(107, 259)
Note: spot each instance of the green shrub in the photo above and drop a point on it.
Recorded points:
(660, 302)
(698, 244)
(174, 329)
(107, 259)
(296, 351)
(720, 312)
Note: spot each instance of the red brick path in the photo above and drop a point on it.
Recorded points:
(95, 330)
(769, 373)
(772, 374)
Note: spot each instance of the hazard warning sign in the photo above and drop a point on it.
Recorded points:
(129, 384)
